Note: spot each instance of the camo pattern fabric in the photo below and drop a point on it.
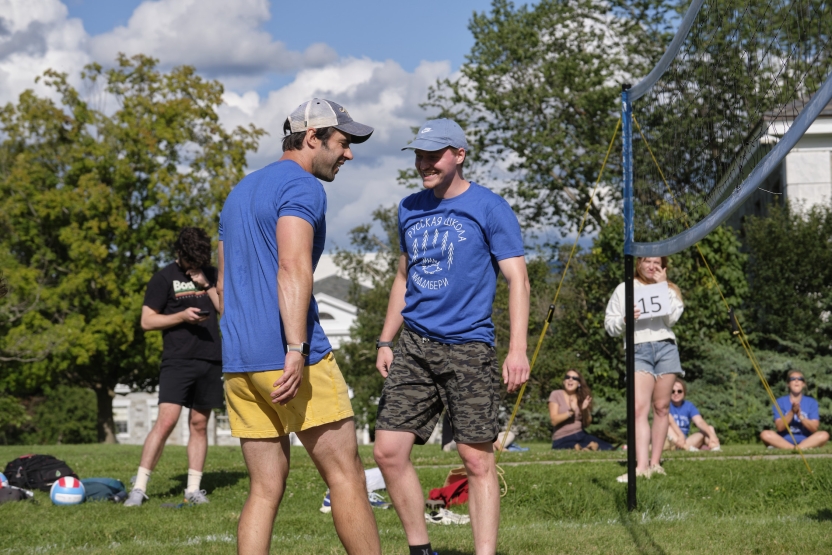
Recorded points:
(426, 376)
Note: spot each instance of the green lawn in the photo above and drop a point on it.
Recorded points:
(765, 505)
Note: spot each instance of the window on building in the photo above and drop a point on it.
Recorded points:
(326, 316)
(121, 418)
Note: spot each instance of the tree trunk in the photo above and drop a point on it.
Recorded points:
(105, 425)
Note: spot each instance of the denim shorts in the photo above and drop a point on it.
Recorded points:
(658, 358)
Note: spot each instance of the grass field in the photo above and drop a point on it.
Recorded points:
(723, 504)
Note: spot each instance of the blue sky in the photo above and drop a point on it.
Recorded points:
(376, 58)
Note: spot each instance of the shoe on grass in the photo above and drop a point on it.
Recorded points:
(196, 497)
(377, 501)
(135, 499)
(624, 478)
(326, 506)
(446, 517)
(657, 469)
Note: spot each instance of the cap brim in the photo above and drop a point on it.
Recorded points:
(358, 131)
(427, 145)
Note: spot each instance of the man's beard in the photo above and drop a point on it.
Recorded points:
(323, 165)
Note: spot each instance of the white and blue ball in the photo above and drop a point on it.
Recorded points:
(67, 491)
(4, 482)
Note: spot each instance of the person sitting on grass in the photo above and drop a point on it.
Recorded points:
(800, 416)
(570, 410)
(682, 413)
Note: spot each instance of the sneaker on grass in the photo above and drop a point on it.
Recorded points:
(196, 497)
(377, 501)
(326, 506)
(624, 478)
(135, 498)
(446, 517)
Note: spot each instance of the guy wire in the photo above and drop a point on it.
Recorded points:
(741, 335)
(557, 292)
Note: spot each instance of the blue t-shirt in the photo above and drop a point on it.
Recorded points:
(683, 415)
(808, 411)
(252, 332)
(454, 246)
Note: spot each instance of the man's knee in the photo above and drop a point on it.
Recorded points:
(387, 455)
(478, 463)
(822, 436)
(765, 436)
(199, 423)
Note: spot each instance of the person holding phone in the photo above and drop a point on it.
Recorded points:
(182, 302)
(657, 361)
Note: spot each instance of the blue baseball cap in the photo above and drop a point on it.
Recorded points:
(438, 134)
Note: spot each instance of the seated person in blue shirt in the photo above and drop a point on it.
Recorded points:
(682, 413)
(800, 416)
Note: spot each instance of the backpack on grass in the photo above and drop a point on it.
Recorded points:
(37, 471)
(104, 489)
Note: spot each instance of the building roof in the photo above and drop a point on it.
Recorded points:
(334, 286)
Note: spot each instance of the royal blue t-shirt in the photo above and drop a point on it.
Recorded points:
(453, 246)
(252, 332)
(683, 415)
(808, 411)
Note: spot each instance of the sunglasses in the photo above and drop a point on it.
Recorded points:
(677, 391)
(797, 380)
(576, 378)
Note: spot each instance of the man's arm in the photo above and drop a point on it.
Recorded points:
(782, 423)
(706, 429)
(153, 321)
(294, 290)
(516, 365)
(393, 320)
(220, 280)
(200, 279)
(811, 425)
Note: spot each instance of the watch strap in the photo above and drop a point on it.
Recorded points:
(380, 344)
(302, 348)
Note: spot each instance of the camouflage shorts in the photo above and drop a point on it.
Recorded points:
(426, 376)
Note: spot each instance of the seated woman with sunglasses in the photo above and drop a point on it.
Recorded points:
(800, 416)
(570, 410)
(682, 414)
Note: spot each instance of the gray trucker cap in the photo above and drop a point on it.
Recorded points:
(317, 113)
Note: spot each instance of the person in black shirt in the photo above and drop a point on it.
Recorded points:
(181, 301)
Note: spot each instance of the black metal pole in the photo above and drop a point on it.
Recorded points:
(630, 362)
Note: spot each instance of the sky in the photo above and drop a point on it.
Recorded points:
(376, 58)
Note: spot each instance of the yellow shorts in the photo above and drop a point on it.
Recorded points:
(321, 399)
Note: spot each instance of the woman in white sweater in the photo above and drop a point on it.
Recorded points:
(657, 362)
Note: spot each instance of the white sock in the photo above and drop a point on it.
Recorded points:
(194, 478)
(142, 477)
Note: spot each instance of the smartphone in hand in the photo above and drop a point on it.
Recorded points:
(203, 313)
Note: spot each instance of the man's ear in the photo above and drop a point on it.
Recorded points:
(311, 139)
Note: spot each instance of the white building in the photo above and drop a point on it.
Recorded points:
(804, 178)
(135, 412)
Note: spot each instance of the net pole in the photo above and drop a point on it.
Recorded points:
(629, 295)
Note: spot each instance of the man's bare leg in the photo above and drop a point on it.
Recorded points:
(267, 461)
(695, 440)
(334, 451)
(774, 439)
(817, 439)
(155, 443)
(483, 495)
(392, 454)
(198, 439)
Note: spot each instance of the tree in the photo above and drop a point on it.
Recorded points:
(538, 96)
(92, 202)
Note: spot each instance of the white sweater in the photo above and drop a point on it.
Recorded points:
(648, 329)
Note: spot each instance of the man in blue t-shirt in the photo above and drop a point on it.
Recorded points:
(798, 419)
(683, 413)
(280, 374)
(455, 236)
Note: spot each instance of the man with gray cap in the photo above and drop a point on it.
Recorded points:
(280, 374)
(455, 236)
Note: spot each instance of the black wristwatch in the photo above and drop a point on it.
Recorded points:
(380, 344)
(302, 348)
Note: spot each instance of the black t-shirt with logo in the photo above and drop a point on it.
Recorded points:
(170, 291)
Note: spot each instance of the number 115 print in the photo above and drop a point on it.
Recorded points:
(653, 300)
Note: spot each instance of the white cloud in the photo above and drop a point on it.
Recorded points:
(35, 35)
(218, 37)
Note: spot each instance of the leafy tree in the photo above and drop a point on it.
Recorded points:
(790, 273)
(538, 96)
(92, 202)
(66, 415)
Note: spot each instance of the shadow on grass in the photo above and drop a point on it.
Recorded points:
(823, 515)
(210, 481)
(644, 542)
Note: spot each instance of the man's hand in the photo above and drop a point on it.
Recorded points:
(287, 385)
(190, 316)
(796, 409)
(515, 370)
(198, 277)
(383, 360)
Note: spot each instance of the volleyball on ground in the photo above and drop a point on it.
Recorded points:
(67, 491)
